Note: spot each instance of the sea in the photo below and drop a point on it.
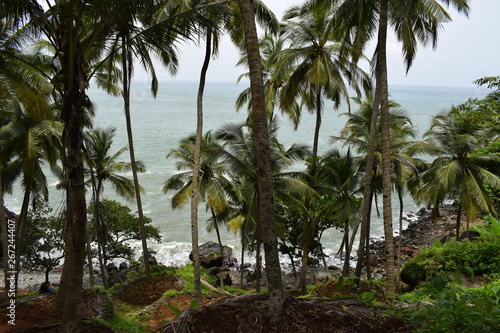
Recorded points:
(160, 123)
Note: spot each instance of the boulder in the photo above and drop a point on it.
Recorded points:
(470, 235)
(210, 255)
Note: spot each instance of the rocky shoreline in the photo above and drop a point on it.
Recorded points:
(420, 233)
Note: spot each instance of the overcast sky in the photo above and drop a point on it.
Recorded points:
(468, 49)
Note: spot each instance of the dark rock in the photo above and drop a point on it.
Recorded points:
(373, 260)
(123, 265)
(470, 235)
(111, 267)
(444, 237)
(333, 268)
(210, 255)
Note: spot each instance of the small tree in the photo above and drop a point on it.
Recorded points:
(120, 227)
(43, 245)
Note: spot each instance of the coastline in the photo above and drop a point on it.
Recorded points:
(418, 234)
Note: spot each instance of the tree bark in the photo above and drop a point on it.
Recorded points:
(264, 172)
(366, 203)
(196, 171)
(75, 84)
(386, 147)
(127, 74)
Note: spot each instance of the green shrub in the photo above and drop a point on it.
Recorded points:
(471, 258)
(454, 309)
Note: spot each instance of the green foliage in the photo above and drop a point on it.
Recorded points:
(121, 324)
(175, 310)
(490, 226)
(43, 244)
(471, 258)
(121, 226)
(454, 309)
(138, 271)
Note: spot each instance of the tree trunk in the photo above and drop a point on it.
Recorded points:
(367, 191)
(345, 268)
(457, 226)
(127, 75)
(381, 74)
(221, 247)
(258, 264)
(75, 84)
(96, 189)
(306, 240)
(196, 171)
(400, 239)
(264, 172)
(242, 262)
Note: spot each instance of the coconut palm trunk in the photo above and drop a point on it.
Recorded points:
(72, 113)
(127, 75)
(196, 170)
(307, 227)
(364, 237)
(381, 74)
(264, 171)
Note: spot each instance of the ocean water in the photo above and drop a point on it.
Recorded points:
(159, 124)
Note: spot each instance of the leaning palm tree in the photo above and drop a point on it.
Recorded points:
(458, 170)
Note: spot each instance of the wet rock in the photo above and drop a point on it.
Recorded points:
(210, 255)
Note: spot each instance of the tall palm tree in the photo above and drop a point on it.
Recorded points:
(412, 21)
(264, 178)
(403, 165)
(229, 19)
(458, 170)
(319, 72)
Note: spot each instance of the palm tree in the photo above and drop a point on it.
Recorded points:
(356, 134)
(343, 172)
(230, 20)
(31, 137)
(264, 178)
(458, 170)
(412, 21)
(319, 71)
(214, 187)
(20, 82)
(106, 168)
(239, 153)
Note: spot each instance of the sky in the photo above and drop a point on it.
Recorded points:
(468, 49)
